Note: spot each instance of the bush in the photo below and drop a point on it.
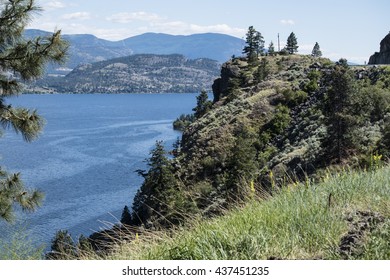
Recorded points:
(312, 85)
(294, 98)
(183, 122)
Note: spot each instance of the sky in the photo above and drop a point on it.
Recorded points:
(343, 28)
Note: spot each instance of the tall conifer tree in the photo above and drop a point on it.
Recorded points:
(254, 44)
(152, 200)
(21, 60)
(339, 108)
(316, 52)
(292, 44)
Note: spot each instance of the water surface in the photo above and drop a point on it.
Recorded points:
(86, 158)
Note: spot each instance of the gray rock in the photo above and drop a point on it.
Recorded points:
(383, 56)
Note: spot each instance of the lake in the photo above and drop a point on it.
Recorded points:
(85, 160)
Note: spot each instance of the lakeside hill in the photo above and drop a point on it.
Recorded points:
(270, 156)
(143, 73)
(86, 48)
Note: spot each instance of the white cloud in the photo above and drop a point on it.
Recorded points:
(136, 16)
(287, 22)
(77, 15)
(218, 28)
(306, 48)
(184, 28)
(156, 23)
(54, 5)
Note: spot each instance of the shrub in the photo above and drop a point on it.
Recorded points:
(294, 98)
(183, 122)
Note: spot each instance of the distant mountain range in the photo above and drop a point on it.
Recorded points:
(88, 48)
(140, 73)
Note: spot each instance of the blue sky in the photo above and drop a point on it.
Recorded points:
(349, 29)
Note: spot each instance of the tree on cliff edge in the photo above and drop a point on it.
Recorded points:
(254, 44)
(203, 105)
(316, 52)
(21, 59)
(292, 44)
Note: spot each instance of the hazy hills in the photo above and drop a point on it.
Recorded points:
(86, 48)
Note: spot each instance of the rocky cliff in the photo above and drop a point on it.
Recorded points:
(383, 56)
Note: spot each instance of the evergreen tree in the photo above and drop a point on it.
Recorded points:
(263, 70)
(126, 216)
(158, 200)
(271, 48)
(203, 104)
(316, 52)
(243, 163)
(21, 59)
(62, 247)
(259, 39)
(339, 110)
(254, 44)
(292, 44)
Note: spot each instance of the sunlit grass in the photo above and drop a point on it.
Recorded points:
(20, 247)
(304, 221)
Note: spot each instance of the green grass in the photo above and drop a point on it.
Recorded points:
(20, 247)
(296, 223)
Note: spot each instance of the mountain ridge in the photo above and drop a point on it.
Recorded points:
(87, 48)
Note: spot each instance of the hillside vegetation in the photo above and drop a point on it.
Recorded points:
(146, 73)
(263, 156)
(346, 216)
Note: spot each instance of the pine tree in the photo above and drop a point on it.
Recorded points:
(62, 247)
(254, 44)
(243, 164)
(126, 216)
(271, 48)
(316, 52)
(21, 59)
(339, 108)
(292, 44)
(259, 39)
(263, 70)
(203, 104)
(156, 200)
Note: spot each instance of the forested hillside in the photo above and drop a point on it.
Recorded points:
(146, 73)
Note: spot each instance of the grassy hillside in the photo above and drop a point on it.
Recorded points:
(346, 216)
(276, 123)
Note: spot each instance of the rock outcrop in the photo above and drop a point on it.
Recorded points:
(383, 56)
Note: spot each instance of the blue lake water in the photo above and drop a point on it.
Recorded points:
(86, 158)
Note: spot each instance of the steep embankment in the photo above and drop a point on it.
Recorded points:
(295, 114)
(346, 216)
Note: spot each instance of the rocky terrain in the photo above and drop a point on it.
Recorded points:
(383, 56)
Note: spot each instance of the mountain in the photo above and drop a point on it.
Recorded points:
(86, 48)
(215, 46)
(141, 73)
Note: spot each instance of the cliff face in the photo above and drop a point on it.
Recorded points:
(383, 56)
